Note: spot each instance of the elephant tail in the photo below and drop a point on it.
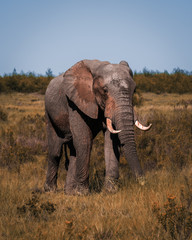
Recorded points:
(66, 157)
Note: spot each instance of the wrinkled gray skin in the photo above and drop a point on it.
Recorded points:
(77, 104)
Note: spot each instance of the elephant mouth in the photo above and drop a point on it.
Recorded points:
(137, 124)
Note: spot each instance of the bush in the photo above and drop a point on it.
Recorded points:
(21, 143)
(177, 82)
(13, 154)
(176, 218)
(137, 98)
(35, 209)
(3, 114)
(97, 165)
(24, 83)
(31, 133)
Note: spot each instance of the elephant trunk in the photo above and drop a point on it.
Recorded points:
(136, 121)
(124, 120)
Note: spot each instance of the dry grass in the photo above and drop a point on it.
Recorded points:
(20, 104)
(26, 212)
(164, 99)
(124, 215)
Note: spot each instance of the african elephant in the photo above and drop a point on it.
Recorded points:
(91, 96)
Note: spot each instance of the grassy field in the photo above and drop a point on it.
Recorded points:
(161, 209)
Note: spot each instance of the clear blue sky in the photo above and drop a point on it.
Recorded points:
(41, 34)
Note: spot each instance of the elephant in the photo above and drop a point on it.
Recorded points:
(90, 97)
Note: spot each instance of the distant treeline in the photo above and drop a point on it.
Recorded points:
(179, 81)
(25, 82)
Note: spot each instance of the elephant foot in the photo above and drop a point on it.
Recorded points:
(111, 185)
(50, 188)
(78, 190)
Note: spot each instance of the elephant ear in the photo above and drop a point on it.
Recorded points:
(78, 84)
(126, 64)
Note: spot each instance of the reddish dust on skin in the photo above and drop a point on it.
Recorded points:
(83, 82)
(109, 107)
(105, 101)
(99, 92)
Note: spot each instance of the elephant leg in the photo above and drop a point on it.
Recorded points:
(70, 183)
(55, 146)
(111, 161)
(77, 181)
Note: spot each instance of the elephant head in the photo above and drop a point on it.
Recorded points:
(92, 84)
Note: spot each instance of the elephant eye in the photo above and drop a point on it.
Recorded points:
(105, 89)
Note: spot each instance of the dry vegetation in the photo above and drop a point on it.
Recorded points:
(161, 209)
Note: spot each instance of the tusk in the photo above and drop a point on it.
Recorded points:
(110, 127)
(140, 126)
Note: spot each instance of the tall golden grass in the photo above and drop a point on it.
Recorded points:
(134, 212)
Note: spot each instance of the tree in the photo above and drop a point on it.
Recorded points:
(14, 72)
(49, 73)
